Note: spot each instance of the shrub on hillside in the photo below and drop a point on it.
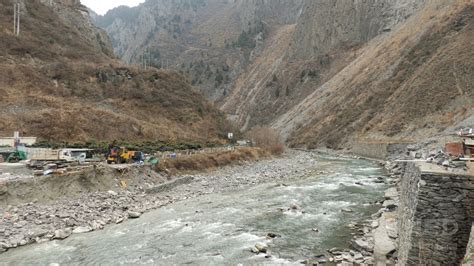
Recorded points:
(267, 139)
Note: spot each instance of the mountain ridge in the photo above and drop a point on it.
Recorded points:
(77, 91)
(297, 72)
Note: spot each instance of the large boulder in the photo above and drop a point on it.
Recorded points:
(133, 215)
(261, 248)
(361, 244)
(62, 233)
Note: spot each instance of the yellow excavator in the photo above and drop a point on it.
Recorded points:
(120, 155)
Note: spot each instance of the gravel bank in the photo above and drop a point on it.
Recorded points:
(38, 222)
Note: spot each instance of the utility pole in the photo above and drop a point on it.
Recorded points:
(16, 18)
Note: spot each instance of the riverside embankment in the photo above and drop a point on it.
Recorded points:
(307, 200)
(428, 212)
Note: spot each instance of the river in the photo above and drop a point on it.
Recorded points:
(220, 228)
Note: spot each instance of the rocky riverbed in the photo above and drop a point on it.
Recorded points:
(35, 223)
(377, 238)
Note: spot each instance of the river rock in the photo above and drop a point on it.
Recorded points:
(62, 233)
(3, 247)
(294, 206)
(96, 225)
(358, 256)
(113, 193)
(335, 251)
(347, 257)
(134, 215)
(390, 204)
(38, 232)
(369, 261)
(362, 244)
(391, 193)
(347, 210)
(254, 250)
(22, 242)
(70, 222)
(261, 247)
(310, 262)
(81, 229)
(273, 235)
(374, 224)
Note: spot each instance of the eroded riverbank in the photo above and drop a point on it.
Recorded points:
(235, 206)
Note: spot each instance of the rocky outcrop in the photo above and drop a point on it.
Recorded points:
(325, 25)
(210, 41)
(75, 15)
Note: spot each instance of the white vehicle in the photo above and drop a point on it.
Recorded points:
(68, 154)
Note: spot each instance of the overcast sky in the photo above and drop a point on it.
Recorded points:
(102, 6)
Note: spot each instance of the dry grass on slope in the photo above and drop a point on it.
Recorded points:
(57, 86)
(203, 162)
(417, 79)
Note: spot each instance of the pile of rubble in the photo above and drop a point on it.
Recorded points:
(438, 157)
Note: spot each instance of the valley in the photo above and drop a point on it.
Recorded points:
(317, 132)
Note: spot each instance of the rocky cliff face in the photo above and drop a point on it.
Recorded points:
(75, 15)
(210, 41)
(340, 24)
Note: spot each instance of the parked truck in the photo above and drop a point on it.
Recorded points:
(67, 154)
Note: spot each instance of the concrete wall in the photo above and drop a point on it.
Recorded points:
(436, 215)
(380, 151)
(11, 141)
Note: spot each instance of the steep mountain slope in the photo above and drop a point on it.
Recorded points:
(60, 82)
(327, 37)
(352, 70)
(210, 41)
(322, 72)
(413, 83)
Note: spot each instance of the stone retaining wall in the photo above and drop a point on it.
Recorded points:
(380, 151)
(436, 214)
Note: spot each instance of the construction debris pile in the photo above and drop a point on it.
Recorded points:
(454, 156)
(445, 159)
